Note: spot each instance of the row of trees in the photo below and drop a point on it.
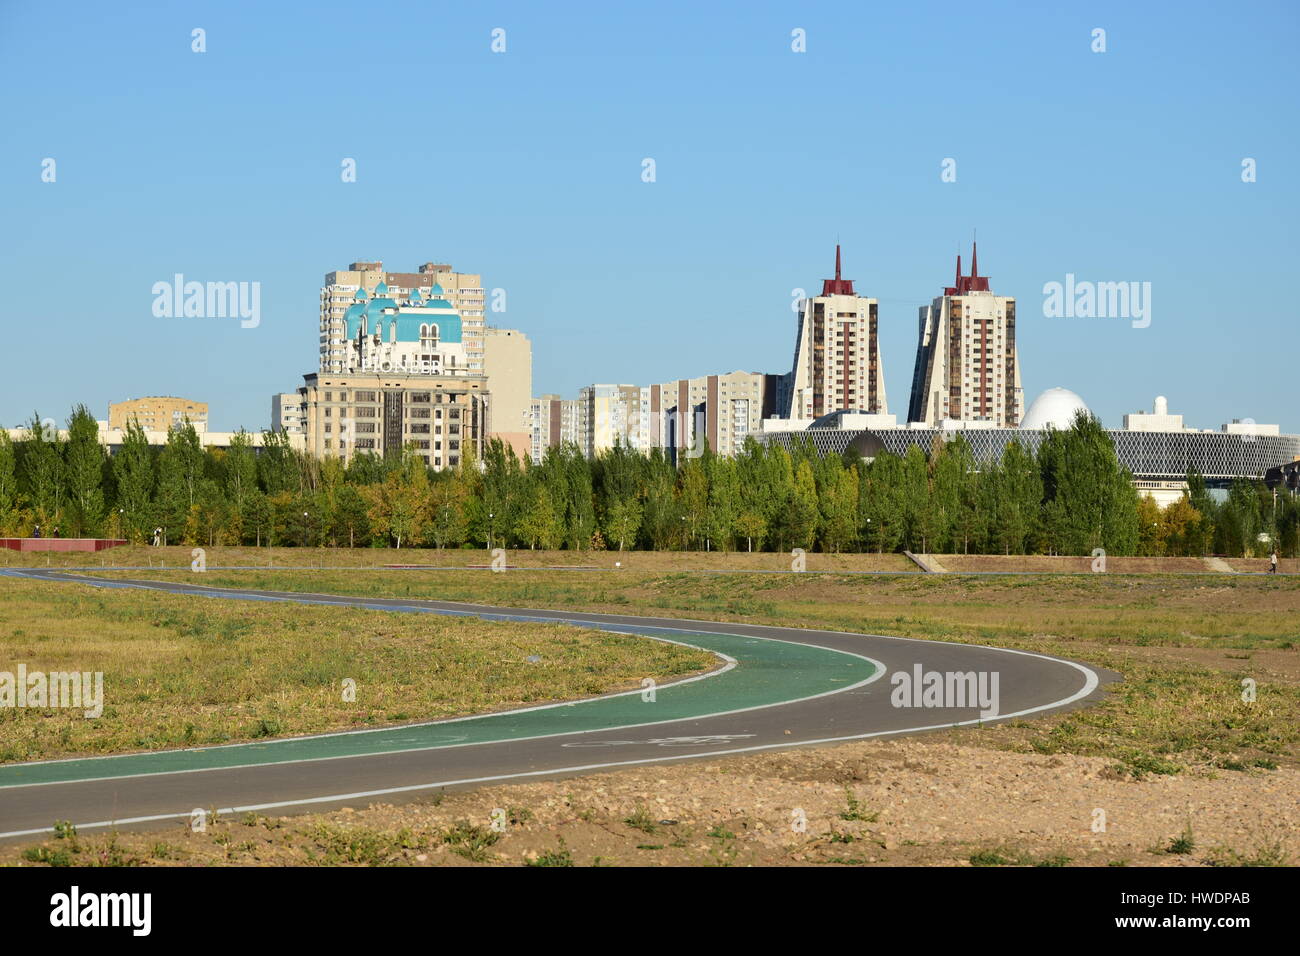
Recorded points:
(1068, 498)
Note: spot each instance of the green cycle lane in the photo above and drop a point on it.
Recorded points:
(768, 672)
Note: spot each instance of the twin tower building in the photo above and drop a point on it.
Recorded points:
(966, 368)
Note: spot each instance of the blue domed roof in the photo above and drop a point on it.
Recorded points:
(381, 289)
(360, 296)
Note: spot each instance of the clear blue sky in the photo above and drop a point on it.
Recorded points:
(526, 167)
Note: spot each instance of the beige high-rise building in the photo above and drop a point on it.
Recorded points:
(463, 290)
(682, 417)
(837, 364)
(610, 415)
(382, 414)
(546, 424)
(967, 366)
(159, 413)
(508, 365)
(286, 413)
(714, 411)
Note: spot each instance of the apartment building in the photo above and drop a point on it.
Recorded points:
(967, 367)
(837, 365)
(440, 416)
(158, 413)
(462, 291)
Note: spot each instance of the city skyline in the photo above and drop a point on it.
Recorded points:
(1094, 171)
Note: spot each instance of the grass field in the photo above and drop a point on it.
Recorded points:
(1174, 735)
(1185, 643)
(185, 672)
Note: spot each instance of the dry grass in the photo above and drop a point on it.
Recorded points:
(1184, 643)
(180, 558)
(184, 672)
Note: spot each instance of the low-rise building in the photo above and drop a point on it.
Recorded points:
(441, 416)
(159, 413)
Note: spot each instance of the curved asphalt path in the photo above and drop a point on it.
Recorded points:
(779, 688)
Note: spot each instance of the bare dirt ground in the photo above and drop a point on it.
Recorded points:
(1065, 564)
(939, 800)
(1183, 771)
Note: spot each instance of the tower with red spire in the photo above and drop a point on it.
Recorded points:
(967, 367)
(837, 286)
(836, 355)
(973, 282)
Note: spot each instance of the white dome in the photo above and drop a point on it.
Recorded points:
(1054, 408)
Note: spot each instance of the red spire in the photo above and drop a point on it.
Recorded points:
(971, 283)
(837, 286)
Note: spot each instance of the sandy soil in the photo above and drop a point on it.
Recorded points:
(933, 801)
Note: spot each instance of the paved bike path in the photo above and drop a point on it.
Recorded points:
(760, 672)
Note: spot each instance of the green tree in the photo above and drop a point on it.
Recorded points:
(538, 523)
(1090, 501)
(41, 470)
(351, 515)
(880, 503)
(240, 469)
(133, 467)
(693, 494)
(85, 461)
(724, 501)
(277, 468)
(399, 507)
(8, 484)
(1017, 490)
(257, 518)
(839, 506)
(804, 512)
(447, 514)
(181, 466)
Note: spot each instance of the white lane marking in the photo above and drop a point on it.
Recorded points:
(879, 671)
(729, 662)
(1090, 684)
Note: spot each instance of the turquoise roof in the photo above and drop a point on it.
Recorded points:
(408, 320)
(381, 289)
(360, 296)
(437, 289)
(408, 326)
(372, 310)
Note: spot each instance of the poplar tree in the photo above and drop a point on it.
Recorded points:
(84, 468)
(8, 483)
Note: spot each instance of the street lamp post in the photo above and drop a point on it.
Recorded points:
(305, 529)
(491, 528)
